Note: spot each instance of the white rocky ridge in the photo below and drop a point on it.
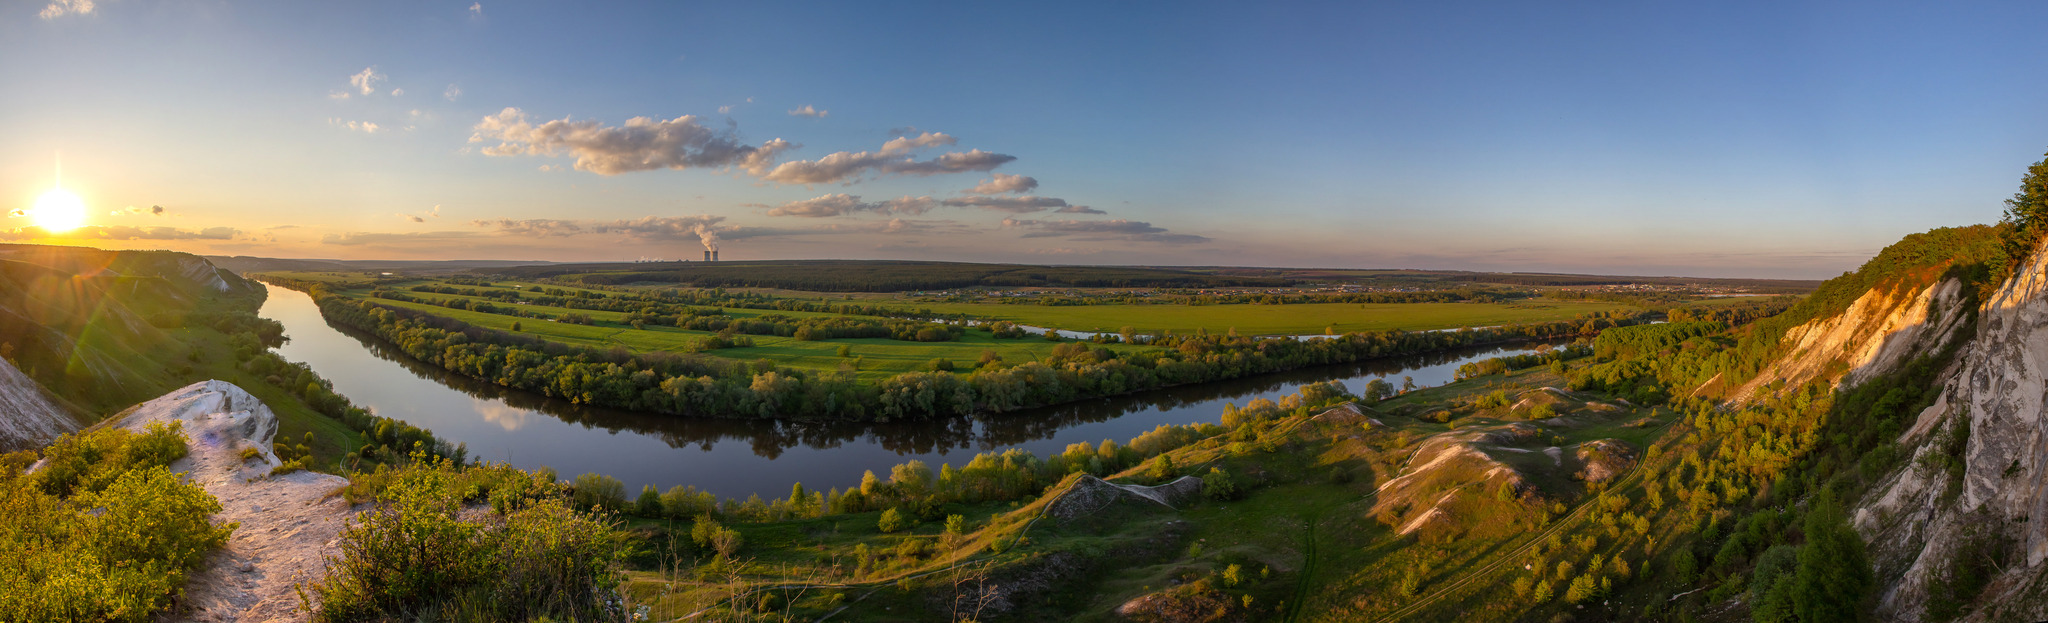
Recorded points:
(28, 419)
(1881, 330)
(1917, 524)
(288, 522)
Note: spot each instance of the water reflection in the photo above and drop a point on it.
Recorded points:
(735, 457)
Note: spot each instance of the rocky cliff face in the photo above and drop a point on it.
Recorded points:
(288, 522)
(1881, 331)
(1921, 520)
(28, 418)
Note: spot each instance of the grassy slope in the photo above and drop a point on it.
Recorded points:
(151, 361)
(1323, 555)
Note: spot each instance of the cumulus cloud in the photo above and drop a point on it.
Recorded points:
(476, 9)
(725, 110)
(397, 92)
(1112, 230)
(451, 92)
(701, 228)
(841, 204)
(1001, 183)
(60, 8)
(808, 111)
(642, 144)
(361, 126)
(904, 144)
(1019, 205)
(154, 212)
(843, 165)
(367, 80)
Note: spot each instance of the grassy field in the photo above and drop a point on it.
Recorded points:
(1304, 319)
(873, 358)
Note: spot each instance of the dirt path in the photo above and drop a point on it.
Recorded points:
(1308, 565)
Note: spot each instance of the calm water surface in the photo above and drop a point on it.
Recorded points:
(737, 458)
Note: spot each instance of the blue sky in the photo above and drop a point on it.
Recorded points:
(1780, 140)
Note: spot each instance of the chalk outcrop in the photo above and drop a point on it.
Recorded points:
(1920, 520)
(288, 523)
(28, 418)
(1884, 329)
(1091, 495)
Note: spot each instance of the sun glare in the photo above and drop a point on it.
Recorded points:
(58, 211)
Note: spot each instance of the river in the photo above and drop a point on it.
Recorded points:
(737, 458)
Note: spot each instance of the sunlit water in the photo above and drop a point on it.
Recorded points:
(736, 458)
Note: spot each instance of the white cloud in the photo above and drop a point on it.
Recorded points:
(725, 110)
(642, 144)
(338, 95)
(476, 9)
(366, 81)
(840, 166)
(807, 111)
(841, 204)
(1020, 205)
(60, 8)
(361, 126)
(1118, 230)
(451, 92)
(1001, 183)
(397, 92)
(907, 144)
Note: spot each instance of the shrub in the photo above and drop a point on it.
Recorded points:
(119, 548)
(598, 490)
(1219, 485)
(893, 521)
(414, 557)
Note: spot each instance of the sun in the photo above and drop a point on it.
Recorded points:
(58, 211)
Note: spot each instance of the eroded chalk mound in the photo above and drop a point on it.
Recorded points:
(1604, 459)
(288, 522)
(1091, 495)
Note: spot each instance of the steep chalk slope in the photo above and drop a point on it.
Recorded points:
(1882, 330)
(27, 418)
(1921, 520)
(288, 522)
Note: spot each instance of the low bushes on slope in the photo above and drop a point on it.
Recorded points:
(104, 531)
(420, 555)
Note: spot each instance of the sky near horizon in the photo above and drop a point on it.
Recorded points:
(1709, 139)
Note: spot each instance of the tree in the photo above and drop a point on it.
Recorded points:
(1583, 588)
(649, 504)
(1834, 572)
(2027, 213)
(1218, 485)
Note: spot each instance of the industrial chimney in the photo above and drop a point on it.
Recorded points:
(707, 256)
(714, 255)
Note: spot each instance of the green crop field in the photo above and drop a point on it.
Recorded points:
(1309, 318)
(875, 358)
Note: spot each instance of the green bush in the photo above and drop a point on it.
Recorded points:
(893, 521)
(415, 557)
(119, 548)
(598, 490)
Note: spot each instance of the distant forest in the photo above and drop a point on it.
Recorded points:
(878, 276)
